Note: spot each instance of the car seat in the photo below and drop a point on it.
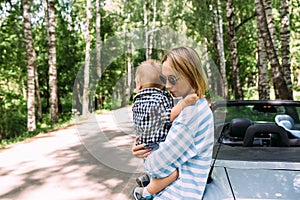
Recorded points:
(238, 127)
(287, 122)
(234, 131)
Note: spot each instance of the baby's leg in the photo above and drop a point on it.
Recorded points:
(158, 184)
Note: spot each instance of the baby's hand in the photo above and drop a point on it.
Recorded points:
(189, 100)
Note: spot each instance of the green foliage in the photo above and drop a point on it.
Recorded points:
(42, 127)
(12, 115)
(13, 123)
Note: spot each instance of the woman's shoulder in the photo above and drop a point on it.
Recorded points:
(201, 104)
(200, 108)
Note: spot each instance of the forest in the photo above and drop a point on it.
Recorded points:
(61, 58)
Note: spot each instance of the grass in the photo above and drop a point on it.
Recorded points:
(42, 127)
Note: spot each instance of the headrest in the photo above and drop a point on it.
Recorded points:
(285, 121)
(238, 127)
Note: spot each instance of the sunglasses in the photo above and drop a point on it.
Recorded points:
(172, 79)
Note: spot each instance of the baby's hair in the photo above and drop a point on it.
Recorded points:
(148, 73)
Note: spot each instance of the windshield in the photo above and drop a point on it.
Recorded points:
(256, 113)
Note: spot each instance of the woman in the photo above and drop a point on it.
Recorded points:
(189, 143)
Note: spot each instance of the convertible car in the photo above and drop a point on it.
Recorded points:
(257, 150)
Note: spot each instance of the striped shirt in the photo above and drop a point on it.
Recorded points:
(151, 115)
(188, 148)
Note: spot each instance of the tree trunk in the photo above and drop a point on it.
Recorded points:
(46, 24)
(236, 83)
(123, 79)
(52, 64)
(128, 50)
(85, 102)
(31, 64)
(266, 26)
(146, 30)
(262, 65)
(98, 38)
(98, 51)
(38, 96)
(152, 29)
(207, 67)
(124, 76)
(124, 86)
(220, 46)
(130, 73)
(285, 44)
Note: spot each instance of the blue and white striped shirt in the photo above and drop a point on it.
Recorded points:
(188, 148)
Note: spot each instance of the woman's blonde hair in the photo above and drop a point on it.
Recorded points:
(186, 62)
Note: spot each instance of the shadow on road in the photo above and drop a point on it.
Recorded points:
(91, 160)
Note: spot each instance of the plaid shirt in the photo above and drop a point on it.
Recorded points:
(151, 115)
(188, 148)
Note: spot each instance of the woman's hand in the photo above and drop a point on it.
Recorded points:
(139, 151)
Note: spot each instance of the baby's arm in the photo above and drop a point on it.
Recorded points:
(158, 184)
(187, 101)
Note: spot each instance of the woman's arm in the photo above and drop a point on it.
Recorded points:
(179, 146)
(172, 153)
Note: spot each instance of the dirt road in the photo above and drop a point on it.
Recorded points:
(90, 160)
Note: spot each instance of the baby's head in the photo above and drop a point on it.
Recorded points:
(148, 75)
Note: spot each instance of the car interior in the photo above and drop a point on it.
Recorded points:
(258, 126)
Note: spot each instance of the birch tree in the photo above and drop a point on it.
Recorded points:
(98, 48)
(85, 96)
(146, 29)
(236, 83)
(266, 26)
(262, 65)
(130, 71)
(220, 45)
(152, 30)
(37, 94)
(126, 78)
(129, 59)
(52, 63)
(31, 64)
(285, 42)
(98, 38)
